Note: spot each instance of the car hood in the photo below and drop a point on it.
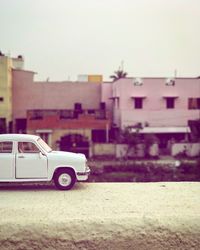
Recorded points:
(69, 154)
(60, 159)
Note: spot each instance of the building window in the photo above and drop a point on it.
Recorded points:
(102, 105)
(138, 103)
(20, 125)
(36, 115)
(170, 102)
(67, 114)
(77, 109)
(78, 106)
(2, 125)
(100, 114)
(91, 111)
(193, 103)
(1, 99)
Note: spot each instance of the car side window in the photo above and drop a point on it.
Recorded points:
(6, 147)
(27, 147)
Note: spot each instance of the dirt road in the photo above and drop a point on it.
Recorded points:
(101, 216)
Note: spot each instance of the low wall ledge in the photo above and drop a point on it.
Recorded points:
(163, 215)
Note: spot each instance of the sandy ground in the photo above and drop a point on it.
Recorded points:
(101, 216)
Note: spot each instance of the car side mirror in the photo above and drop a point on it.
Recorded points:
(40, 154)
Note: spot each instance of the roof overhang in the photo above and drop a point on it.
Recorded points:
(162, 130)
(170, 96)
(114, 97)
(44, 131)
(138, 96)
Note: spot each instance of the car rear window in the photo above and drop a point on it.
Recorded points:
(6, 147)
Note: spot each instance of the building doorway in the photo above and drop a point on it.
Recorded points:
(168, 139)
(75, 143)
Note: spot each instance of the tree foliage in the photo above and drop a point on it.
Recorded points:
(149, 140)
(132, 139)
(118, 74)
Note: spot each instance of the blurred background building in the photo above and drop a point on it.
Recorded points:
(73, 116)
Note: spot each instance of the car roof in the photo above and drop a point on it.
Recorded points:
(18, 137)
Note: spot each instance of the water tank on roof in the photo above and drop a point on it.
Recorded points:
(18, 63)
(82, 78)
(95, 78)
(170, 82)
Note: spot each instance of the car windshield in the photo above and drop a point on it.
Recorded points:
(44, 145)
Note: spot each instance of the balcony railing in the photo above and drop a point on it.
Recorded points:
(67, 114)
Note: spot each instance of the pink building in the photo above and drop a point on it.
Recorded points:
(46, 95)
(70, 114)
(162, 106)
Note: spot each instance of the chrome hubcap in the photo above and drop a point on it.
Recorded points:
(65, 179)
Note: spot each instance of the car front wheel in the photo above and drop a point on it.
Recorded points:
(64, 179)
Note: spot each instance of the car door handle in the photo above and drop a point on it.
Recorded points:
(21, 156)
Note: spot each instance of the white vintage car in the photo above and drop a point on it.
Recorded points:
(27, 158)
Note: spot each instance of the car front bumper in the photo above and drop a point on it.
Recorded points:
(83, 176)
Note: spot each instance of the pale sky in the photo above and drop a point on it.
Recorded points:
(60, 39)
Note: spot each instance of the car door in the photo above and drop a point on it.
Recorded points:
(7, 160)
(30, 162)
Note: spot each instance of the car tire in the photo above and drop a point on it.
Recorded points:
(64, 179)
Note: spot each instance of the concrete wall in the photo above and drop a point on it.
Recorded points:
(106, 93)
(189, 149)
(121, 150)
(103, 149)
(25, 95)
(51, 95)
(116, 150)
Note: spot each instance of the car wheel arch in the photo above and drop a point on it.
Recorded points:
(62, 168)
